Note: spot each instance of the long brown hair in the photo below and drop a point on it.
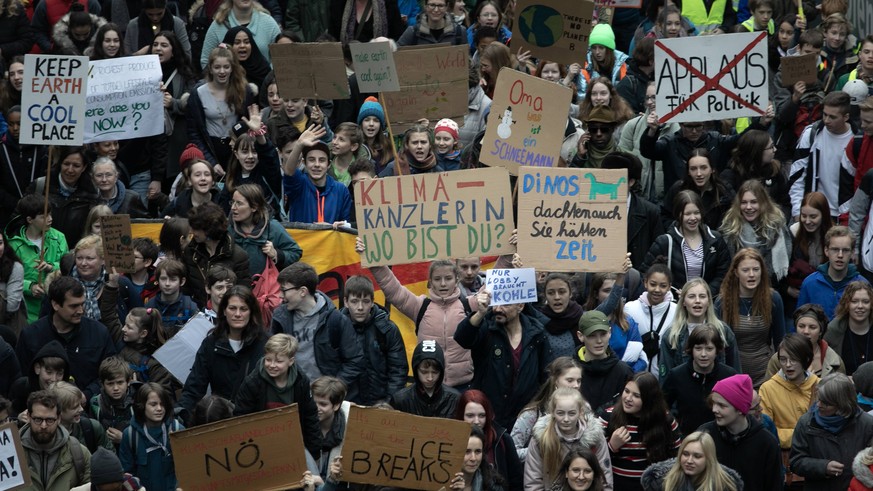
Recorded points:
(619, 106)
(762, 301)
(803, 239)
(842, 311)
(652, 422)
(235, 95)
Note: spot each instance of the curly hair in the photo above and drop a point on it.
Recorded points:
(842, 311)
(769, 223)
(209, 218)
(619, 106)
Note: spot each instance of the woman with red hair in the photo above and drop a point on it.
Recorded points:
(475, 408)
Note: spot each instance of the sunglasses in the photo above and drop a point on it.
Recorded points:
(594, 128)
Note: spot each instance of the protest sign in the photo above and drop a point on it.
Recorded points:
(14, 473)
(572, 219)
(117, 243)
(257, 452)
(531, 127)
(374, 67)
(124, 99)
(399, 450)
(178, 353)
(511, 285)
(711, 77)
(53, 100)
(310, 70)
(433, 85)
(795, 69)
(554, 30)
(422, 217)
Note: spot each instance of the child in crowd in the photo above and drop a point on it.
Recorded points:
(361, 170)
(445, 138)
(329, 394)
(145, 253)
(344, 149)
(371, 119)
(145, 445)
(314, 196)
(175, 307)
(113, 406)
(219, 279)
(427, 396)
(89, 432)
(50, 365)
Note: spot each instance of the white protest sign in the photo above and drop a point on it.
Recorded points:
(14, 473)
(509, 286)
(178, 353)
(711, 77)
(53, 100)
(124, 99)
(374, 67)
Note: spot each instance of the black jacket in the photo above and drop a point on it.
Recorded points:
(414, 399)
(29, 381)
(337, 351)
(385, 367)
(716, 257)
(686, 391)
(87, 345)
(69, 212)
(266, 174)
(16, 35)
(633, 87)
(714, 206)
(217, 365)
(145, 154)
(181, 204)
(674, 151)
(492, 361)
(197, 262)
(27, 162)
(252, 397)
(643, 226)
(755, 455)
(603, 379)
(506, 461)
(10, 369)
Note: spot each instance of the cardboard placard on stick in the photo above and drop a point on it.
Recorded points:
(117, 243)
(14, 472)
(508, 286)
(553, 30)
(531, 127)
(53, 100)
(572, 219)
(433, 85)
(257, 452)
(395, 449)
(374, 67)
(124, 99)
(803, 68)
(704, 77)
(422, 217)
(310, 70)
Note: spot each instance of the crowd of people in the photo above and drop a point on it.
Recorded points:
(731, 352)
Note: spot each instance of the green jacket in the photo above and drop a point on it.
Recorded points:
(55, 244)
(63, 475)
(307, 18)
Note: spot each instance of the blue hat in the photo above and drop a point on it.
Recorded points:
(371, 107)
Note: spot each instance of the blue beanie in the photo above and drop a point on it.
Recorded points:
(371, 107)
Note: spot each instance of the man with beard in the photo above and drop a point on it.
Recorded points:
(510, 353)
(598, 141)
(57, 461)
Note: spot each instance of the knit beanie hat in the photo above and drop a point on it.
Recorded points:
(863, 378)
(737, 390)
(447, 125)
(191, 152)
(105, 468)
(371, 107)
(602, 34)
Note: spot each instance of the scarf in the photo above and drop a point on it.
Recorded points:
(867, 401)
(568, 320)
(597, 154)
(405, 163)
(115, 203)
(350, 22)
(832, 424)
(257, 231)
(776, 253)
(92, 293)
(64, 190)
(256, 66)
(145, 33)
(157, 445)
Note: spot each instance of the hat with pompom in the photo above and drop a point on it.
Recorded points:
(448, 126)
(371, 107)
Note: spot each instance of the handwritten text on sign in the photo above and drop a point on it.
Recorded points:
(260, 451)
(572, 219)
(701, 76)
(400, 450)
(530, 130)
(53, 99)
(374, 67)
(117, 243)
(124, 99)
(422, 217)
(509, 286)
(14, 473)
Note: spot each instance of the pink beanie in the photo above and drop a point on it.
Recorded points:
(737, 390)
(447, 125)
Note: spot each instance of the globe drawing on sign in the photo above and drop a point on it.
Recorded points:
(540, 25)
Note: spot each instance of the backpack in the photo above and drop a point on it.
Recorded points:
(335, 335)
(78, 458)
(141, 370)
(88, 433)
(426, 303)
(809, 110)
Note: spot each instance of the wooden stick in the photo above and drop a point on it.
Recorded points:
(390, 133)
(45, 210)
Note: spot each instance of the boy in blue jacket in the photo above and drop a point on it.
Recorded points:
(314, 196)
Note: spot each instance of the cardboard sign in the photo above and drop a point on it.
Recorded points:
(310, 70)
(117, 243)
(572, 219)
(711, 77)
(399, 450)
(622, 4)
(374, 67)
(124, 99)
(257, 452)
(14, 472)
(795, 69)
(422, 217)
(553, 30)
(530, 129)
(53, 100)
(433, 85)
(509, 286)
(178, 353)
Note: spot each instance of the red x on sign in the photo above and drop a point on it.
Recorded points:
(710, 83)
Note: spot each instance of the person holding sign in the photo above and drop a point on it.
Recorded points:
(477, 471)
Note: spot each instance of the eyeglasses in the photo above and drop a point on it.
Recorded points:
(693, 127)
(436, 6)
(651, 97)
(599, 129)
(787, 361)
(43, 421)
(770, 147)
(292, 288)
(840, 251)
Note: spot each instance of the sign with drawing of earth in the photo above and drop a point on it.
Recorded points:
(554, 30)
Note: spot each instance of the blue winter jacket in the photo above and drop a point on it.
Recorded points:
(820, 289)
(305, 200)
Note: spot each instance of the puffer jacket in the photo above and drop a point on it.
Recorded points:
(863, 473)
(63, 475)
(588, 435)
(785, 402)
(652, 319)
(654, 475)
(64, 43)
(438, 323)
(415, 400)
(588, 73)
(197, 262)
(716, 258)
(812, 447)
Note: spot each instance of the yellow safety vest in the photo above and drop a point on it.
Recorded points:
(695, 11)
(749, 24)
(853, 75)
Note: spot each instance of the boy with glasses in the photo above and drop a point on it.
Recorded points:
(825, 287)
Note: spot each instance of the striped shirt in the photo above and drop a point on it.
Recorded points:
(630, 460)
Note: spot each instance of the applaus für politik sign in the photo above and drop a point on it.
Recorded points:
(711, 77)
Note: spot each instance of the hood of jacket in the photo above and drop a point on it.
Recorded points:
(806, 387)
(60, 440)
(851, 273)
(289, 384)
(51, 349)
(429, 350)
(63, 39)
(862, 471)
(286, 318)
(589, 433)
(661, 307)
(599, 367)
